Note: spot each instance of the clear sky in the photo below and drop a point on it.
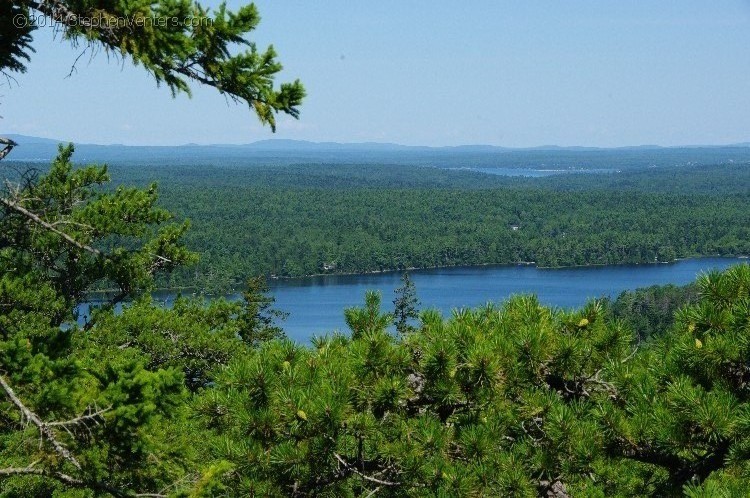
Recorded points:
(522, 73)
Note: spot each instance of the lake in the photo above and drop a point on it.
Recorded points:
(316, 304)
(532, 172)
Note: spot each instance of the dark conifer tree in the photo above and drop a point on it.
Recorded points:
(405, 306)
(259, 318)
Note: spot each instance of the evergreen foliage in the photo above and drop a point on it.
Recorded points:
(16, 40)
(258, 318)
(650, 311)
(517, 400)
(75, 416)
(405, 306)
(290, 221)
(291, 232)
(102, 404)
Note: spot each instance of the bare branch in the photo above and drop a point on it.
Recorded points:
(44, 429)
(9, 144)
(159, 262)
(73, 68)
(36, 219)
(373, 492)
(71, 481)
(351, 468)
(30, 470)
(630, 356)
(92, 416)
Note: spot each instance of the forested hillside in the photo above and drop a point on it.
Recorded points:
(289, 221)
(292, 221)
(299, 232)
(307, 219)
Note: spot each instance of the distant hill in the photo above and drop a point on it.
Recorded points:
(30, 140)
(284, 151)
(304, 145)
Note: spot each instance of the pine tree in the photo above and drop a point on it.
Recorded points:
(516, 400)
(76, 415)
(405, 306)
(370, 319)
(258, 318)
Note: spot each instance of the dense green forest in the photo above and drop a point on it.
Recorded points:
(290, 221)
(298, 232)
(205, 399)
(293, 221)
(650, 311)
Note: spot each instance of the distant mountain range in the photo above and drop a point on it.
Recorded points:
(284, 151)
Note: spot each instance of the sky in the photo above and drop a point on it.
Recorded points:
(517, 74)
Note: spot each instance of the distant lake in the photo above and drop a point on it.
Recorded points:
(316, 304)
(531, 172)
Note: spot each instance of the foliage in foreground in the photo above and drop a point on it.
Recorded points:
(517, 400)
(201, 400)
(100, 402)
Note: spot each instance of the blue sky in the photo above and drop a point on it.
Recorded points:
(597, 72)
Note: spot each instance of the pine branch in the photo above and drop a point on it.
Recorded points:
(48, 434)
(246, 77)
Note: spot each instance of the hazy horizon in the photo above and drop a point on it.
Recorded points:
(370, 142)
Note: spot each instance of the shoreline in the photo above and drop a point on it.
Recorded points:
(195, 290)
(437, 267)
(519, 263)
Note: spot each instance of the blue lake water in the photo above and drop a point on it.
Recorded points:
(531, 172)
(315, 305)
